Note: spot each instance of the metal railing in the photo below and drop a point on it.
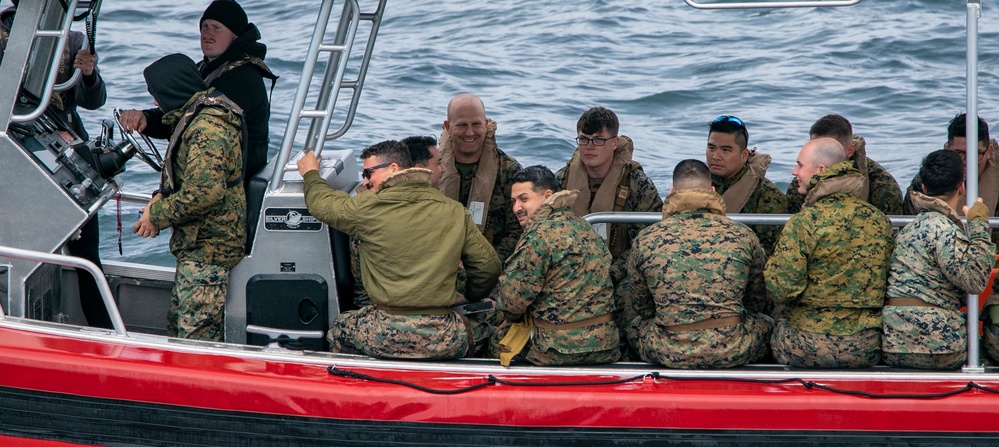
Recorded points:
(70, 261)
(974, 364)
(62, 35)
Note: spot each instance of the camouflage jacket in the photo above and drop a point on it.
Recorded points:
(831, 262)
(936, 261)
(408, 260)
(560, 273)
(642, 196)
(696, 264)
(883, 191)
(765, 199)
(207, 213)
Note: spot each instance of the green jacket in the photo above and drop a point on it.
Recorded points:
(831, 262)
(207, 216)
(412, 238)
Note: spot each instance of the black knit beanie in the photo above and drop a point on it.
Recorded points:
(228, 13)
(173, 80)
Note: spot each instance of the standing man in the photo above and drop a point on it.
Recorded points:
(739, 175)
(556, 284)
(201, 195)
(90, 93)
(934, 267)
(234, 65)
(830, 267)
(408, 258)
(478, 173)
(880, 190)
(696, 281)
(607, 179)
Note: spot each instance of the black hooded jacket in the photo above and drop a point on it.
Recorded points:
(244, 85)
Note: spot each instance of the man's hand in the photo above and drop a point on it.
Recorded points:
(132, 120)
(308, 162)
(144, 227)
(85, 62)
(978, 211)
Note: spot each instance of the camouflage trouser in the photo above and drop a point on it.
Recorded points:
(197, 306)
(953, 360)
(376, 333)
(552, 357)
(809, 350)
(722, 347)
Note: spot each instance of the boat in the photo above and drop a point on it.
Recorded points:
(272, 383)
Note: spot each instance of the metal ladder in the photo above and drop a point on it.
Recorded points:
(332, 82)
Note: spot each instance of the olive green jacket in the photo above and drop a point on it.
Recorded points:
(412, 238)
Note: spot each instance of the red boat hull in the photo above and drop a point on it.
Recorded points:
(102, 391)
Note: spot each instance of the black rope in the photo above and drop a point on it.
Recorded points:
(355, 375)
(808, 385)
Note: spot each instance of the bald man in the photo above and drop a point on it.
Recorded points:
(828, 272)
(477, 173)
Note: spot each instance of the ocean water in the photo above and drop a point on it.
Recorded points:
(896, 69)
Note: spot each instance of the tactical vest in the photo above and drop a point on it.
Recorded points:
(168, 183)
(257, 62)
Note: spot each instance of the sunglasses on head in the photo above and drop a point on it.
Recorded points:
(737, 121)
(366, 172)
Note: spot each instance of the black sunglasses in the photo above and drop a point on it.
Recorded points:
(366, 172)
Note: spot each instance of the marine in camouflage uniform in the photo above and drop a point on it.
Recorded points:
(936, 262)
(407, 264)
(201, 195)
(765, 198)
(883, 191)
(696, 282)
(559, 277)
(642, 196)
(464, 182)
(830, 267)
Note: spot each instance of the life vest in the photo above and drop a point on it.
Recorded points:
(169, 183)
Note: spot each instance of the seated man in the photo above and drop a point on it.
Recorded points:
(739, 175)
(424, 153)
(988, 165)
(557, 281)
(407, 258)
(934, 267)
(881, 189)
(607, 179)
(696, 281)
(830, 266)
(477, 172)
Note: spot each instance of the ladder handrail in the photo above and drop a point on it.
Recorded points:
(752, 5)
(362, 72)
(50, 82)
(72, 261)
(332, 81)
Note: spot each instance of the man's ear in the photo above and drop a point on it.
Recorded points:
(447, 126)
(821, 168)
(549, 193)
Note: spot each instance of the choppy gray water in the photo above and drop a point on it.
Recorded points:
(896, 69)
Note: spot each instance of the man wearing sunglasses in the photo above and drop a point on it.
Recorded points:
(602, 170)
(881, 189)
(739, 175)
(988, 164)
(407, 258)
(478, 173)
(829, 270)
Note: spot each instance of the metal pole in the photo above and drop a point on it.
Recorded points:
(789, 4)
(971, 138)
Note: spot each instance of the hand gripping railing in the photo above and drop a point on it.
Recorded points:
(332, 81)
(70, 261)
(778, 4)
(50, 81)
